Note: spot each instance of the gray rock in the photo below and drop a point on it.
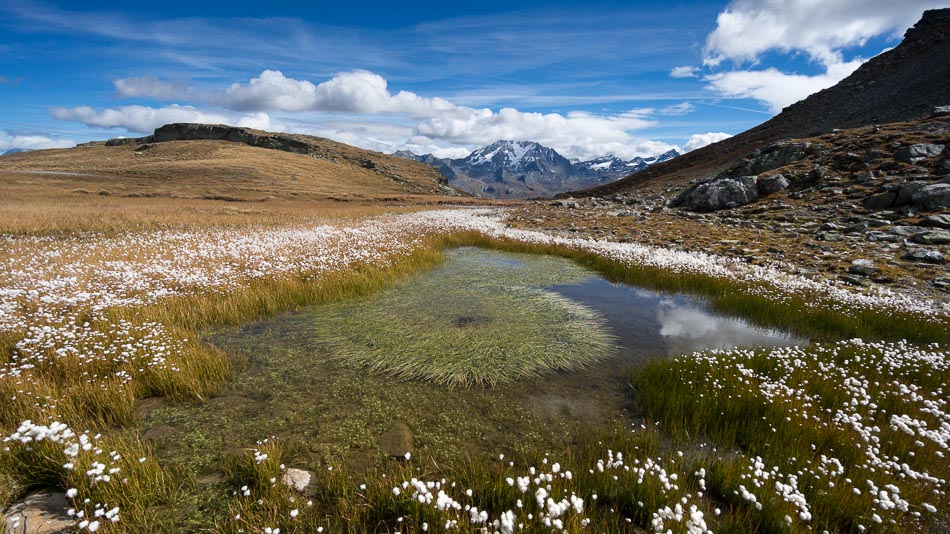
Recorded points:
(923, 255)
(915, 153)
(941, 220)
(932, 197)
(772, 184)
(863, 267)
(831, 237)
(880, 201)
(881, 236)
(770, 157)
(855, 228)
(719, 193)
(397, 441)
(934, 237)
(906, 231)
(43, 512)
(941, 283)
(296, 479)
(905, 195)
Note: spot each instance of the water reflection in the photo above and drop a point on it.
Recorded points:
(650, 324)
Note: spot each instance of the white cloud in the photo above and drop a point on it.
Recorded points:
(777, 89)
(748, 28)
(10, 141)
(421, 124)
(677, 109)
(143, 119)
(686, 71)
(148, 86)
(349, 92)
(700, 140)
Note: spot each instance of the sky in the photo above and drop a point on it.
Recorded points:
(631, 78)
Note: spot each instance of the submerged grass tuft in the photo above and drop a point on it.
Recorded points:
(481, 319)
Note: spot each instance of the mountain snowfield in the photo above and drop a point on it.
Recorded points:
(527, 169)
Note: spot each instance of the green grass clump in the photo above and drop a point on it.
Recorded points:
(478, 320)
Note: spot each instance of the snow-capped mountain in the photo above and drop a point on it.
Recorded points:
(526, 169)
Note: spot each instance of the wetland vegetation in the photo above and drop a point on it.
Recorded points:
(323, 340)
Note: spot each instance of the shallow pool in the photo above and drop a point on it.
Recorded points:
(487, 352)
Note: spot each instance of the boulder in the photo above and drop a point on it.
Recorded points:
(923, 255)
(770, 157)
(43, 512)
(772, 184)
(934, 237)
(941, 220)
(719, 193)
(906, 231)
(932, 197)
(905, 195)
(915, 153)
(880, 201)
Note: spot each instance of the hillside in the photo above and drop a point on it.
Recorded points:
(901, 84)
(214, 162)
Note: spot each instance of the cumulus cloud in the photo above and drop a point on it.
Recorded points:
(747, 29)
(777, 89)
(686, 71)
(144, 119)
(700, 140)
(12, 141)
(421, 124)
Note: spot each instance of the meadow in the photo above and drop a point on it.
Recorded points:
(847, 434)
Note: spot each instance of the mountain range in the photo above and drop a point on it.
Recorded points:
(527, 169)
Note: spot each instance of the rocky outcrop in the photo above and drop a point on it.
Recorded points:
(769, 158)
(719, 193)
(221, 132)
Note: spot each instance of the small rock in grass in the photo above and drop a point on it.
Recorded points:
(863, 267)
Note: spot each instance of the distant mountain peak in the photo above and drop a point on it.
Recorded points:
(528, 169)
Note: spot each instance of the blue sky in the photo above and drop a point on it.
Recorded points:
(629, 78)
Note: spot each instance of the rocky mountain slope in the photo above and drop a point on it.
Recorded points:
(526, 169)
(205, 161)
(901, 84)
(866, 207)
